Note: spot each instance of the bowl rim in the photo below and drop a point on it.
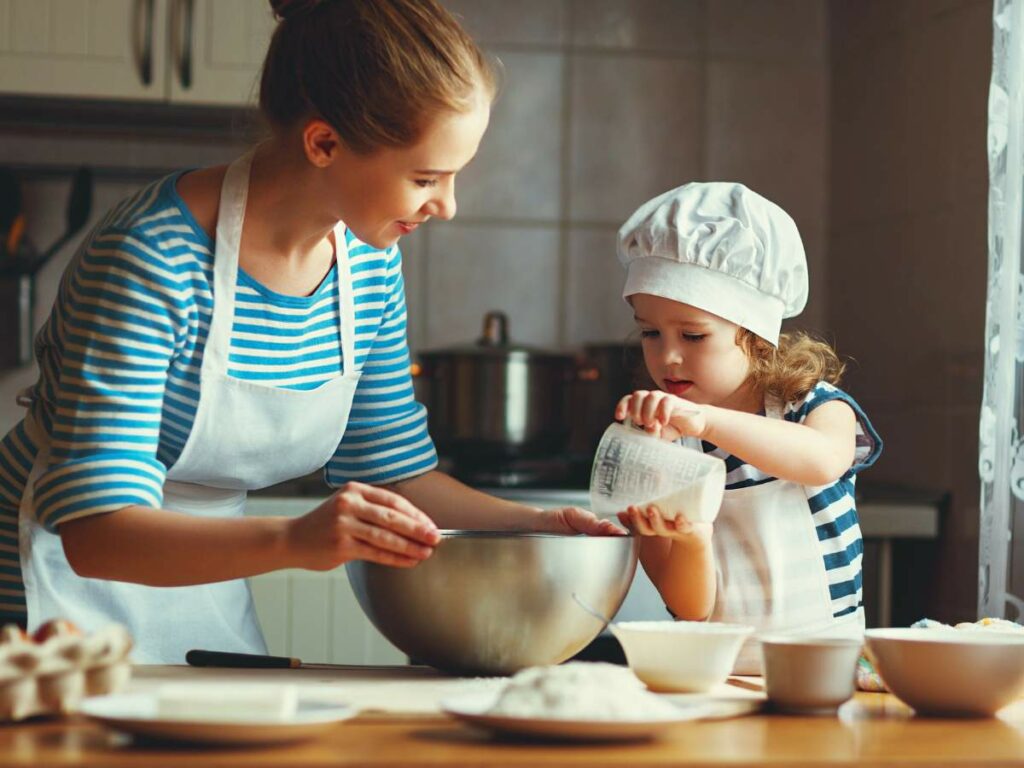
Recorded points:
(472, 533)
(806, 641)
(943, 636)
(670, 626)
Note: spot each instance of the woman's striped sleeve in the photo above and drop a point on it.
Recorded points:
(122, 311)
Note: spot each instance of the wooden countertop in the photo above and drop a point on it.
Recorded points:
(871, 730)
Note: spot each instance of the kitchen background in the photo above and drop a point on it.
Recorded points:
(865, 119)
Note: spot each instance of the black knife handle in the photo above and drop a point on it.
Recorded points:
(201, 658)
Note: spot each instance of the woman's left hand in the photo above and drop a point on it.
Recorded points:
(577, 520)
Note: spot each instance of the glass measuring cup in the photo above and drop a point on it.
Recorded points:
(634, 468)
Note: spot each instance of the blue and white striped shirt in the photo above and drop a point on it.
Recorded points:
(833, 508)
(120, 359)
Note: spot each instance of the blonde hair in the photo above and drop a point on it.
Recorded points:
(789, 371)
(374, 69)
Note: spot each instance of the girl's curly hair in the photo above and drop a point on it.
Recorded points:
(789, 371)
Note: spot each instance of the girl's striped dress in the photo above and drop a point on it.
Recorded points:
(833, 507)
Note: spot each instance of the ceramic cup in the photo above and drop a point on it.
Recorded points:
(809, 675)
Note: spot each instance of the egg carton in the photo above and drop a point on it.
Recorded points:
(51, 672)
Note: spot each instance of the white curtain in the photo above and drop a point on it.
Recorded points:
(1001, 431)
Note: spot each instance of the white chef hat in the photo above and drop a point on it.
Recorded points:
(720, 247)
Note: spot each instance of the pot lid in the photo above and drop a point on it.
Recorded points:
(494, 342)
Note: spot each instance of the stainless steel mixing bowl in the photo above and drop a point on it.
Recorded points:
(493, 603)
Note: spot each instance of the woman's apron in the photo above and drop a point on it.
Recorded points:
(770, 570)
(245, 436)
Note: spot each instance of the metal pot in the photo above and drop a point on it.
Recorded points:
(493, 400)
(607, 372)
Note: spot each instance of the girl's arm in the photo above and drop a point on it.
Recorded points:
(678, 557)
(816, 452)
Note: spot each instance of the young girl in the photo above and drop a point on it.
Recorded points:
(712, 269)
(229, 328)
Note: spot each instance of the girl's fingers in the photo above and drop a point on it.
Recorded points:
(641, 524)
(656, 521)
(664, 412)
(635, 404)
(622, 408)
(649, 409)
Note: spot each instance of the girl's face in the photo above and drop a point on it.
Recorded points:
(692, 353)
(391, 191)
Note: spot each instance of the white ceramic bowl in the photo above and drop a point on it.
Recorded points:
(681, 655)
(955, 672)
(809, 675)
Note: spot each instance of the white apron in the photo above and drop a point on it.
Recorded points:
(769, 566)
(245, 436)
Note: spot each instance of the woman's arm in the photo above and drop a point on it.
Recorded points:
(451, 504)
(159, 547)
(816, 452)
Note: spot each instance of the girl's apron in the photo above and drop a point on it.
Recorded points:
(769, 565)
(245, 436)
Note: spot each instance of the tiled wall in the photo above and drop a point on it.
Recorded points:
(907, 251)
(605, 104)
(864, 118)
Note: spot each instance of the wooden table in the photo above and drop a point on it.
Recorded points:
(871, 730)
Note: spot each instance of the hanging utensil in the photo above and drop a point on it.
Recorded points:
(20, 263)
(12, 220)
(78, 209)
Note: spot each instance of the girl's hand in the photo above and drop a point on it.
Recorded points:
(648, 521)
(576, 520)
(362, 522)
(663, 415)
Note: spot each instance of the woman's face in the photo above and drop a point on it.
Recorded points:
(391, 191)
(692, 353)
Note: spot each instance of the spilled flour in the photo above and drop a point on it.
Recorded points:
(580, 691)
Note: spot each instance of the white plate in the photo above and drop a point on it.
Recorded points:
(473, 709)
(136, 713)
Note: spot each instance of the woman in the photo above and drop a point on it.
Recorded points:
(226, 329)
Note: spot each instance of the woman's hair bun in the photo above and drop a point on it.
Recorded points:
(287, 9)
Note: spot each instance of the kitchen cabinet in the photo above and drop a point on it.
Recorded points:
(314, 615)
(175, 51)
(217, 49)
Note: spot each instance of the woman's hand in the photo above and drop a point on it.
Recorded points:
(576, 520)
(362, 522)
(663, 415)
(648, 521)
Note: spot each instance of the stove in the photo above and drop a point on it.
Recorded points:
(553, 472)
